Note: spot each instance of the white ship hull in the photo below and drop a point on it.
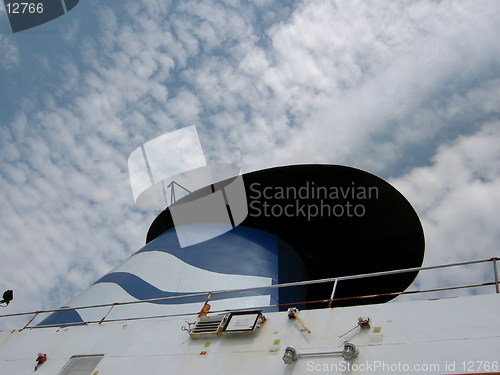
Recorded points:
(447, 336)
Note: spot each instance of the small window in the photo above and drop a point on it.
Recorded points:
(81, 365)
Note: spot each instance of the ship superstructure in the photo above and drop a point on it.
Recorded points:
(294, 276)
(458, 335)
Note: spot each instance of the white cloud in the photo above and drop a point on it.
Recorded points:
(9, 53)
(457, 198)
(343, 79)
(406, 90)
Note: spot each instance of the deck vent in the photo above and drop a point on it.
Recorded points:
(208, 325)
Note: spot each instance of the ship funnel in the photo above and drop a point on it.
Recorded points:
(230, 231)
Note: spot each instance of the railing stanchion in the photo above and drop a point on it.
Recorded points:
(495, 271)
(206, 307)
(105, 316)
(330, 304)
(33, 318)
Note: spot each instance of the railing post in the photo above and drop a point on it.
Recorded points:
(206, 307)
(105, 316)
(330, 304)
(495, 271)
(33, 318)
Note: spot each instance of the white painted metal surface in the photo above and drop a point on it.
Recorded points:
(447, 336)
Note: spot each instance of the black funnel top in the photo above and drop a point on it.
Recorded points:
(340, 220)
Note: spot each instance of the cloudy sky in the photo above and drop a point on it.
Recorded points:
(407, 90)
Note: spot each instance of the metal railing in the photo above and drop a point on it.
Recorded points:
(209, 295)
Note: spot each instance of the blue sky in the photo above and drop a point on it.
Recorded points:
(407, 90)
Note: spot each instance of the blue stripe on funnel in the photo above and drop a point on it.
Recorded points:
(63, 317)
(140, 289)
(241, 251)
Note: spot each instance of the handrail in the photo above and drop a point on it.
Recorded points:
(335, 280)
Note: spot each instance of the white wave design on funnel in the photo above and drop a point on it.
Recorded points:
(167, 272)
